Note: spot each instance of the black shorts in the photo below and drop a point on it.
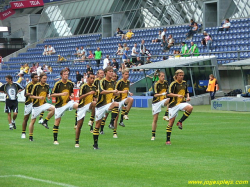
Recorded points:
(11, 105)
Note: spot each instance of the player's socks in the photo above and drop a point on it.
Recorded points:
(114, 131)
(77, 141)
(55, 132)
(41, 115)
(76, 118)
(103, 124)
(185, 116)
(91, 128)
(153, 133)
(95, 136)
(126, 112)
(46, 120)
(122, 114)
(114, 114)
(168, 130)
(31, 136)
(23, 131)
(166, 113)
(91, 118)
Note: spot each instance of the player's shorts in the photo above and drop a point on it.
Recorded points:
(156, 107)
(122, 103)
(11, 105)
(101, 111)
(81, 112)
(28, 109)
(173, 112)
(60, 111)
(37, 110)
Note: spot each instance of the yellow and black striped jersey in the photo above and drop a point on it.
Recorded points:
(104, 99)
(121, 86)
(85, 88)
(40, 90)
(178, 88)
(28, 89)
(60, 87)
(159, 88)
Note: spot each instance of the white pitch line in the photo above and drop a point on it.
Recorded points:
(40, 180)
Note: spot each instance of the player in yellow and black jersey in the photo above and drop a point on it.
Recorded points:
(28, 102)
(63, 91)
(39, 93)
(104, 103)
(100, 75)
(125, 102)
(178, 86)
(160, 100)
(86, 104)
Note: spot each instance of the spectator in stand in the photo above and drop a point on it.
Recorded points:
(115, 65)
(83, 53)
(128, 64)
(148, 61)
(91, 56)
(45, 68)
(139, 62)
(194, 49)
(142, 49)
(51, 50)
(159, 39)
(163, 35)
(106, 62)
(147, 53)
(193, 31)
(169, 43)
(45, 51)
(33, 69)
(85, 77)
(39, 70)
(177, 54)
(125, 55)
(98, 56)
(89, 69)
(119, 50)
(78, 77)
(225, 26)
(50, 69)
(120, 33)
(184, 49)
(134, 53)
(190, 27)
(129, 35)
(21, 70)
(78, 52)
(61, 59)
(26, 68)
(20, 79)
(207, 40)
(27, 81)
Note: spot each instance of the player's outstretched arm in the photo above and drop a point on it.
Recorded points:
(37, 97)
(174, 95)
(59, 94)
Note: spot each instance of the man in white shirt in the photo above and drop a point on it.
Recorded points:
(105, 62)
(134, 53)
(163, 34)
(45, 51)
(225, 26)
(51, 50)
(83, 52)
(39, 71)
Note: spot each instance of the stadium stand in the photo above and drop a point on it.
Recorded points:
(236, 39)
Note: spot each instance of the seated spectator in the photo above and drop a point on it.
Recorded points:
(128, 64)
(83, 53)
(45, 51)
(21, 70)
(119, 50)
(169, 43)
(20, 79)
(27, 81)
(106, 62)
(225, 26)
(207, 40)
(33, 69)
(51, 50)
(39, 70)
(129, 35)
(91, 55)
(194, 49)
(125, 55)
(61, 58)
(177, 54)
(26, 68)
(120, 33)
(115, 65)
(148, 61)
(50, 69)
(184, 49)
(190, 27)
(193, 31)
(45, 68)
(78, 77)
(78, 52)
(139, 62)
(147, 52)
(89, 69)
(159, 39)
(163, 35)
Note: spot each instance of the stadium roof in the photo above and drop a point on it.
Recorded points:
(176, 62)
(245, 62)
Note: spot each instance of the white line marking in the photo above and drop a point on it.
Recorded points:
(40, 180)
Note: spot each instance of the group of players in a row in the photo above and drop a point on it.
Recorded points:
(99, 96)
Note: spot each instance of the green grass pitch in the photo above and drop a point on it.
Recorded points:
(213, 145)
